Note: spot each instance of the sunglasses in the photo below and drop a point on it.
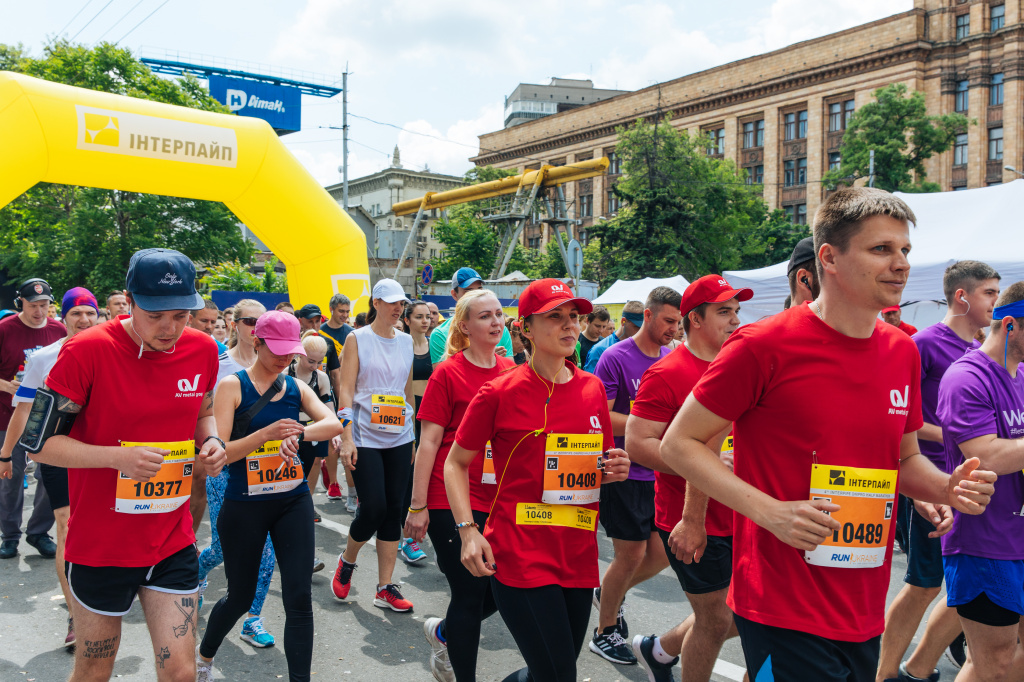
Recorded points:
(247, 321)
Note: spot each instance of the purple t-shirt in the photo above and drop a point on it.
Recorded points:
(978, 397)
(620, 368)
(939, 346)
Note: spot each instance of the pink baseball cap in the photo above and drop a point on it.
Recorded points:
(281, 332)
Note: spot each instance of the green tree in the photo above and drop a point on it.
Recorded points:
(238, 276)
(903, 136)
(685, 212)
(85, 236)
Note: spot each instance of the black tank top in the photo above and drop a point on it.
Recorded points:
(422, 368)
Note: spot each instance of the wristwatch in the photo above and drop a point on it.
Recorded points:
(216, 438)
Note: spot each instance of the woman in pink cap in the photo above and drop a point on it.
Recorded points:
(257, 412)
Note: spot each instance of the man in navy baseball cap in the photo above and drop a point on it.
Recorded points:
(162, 279)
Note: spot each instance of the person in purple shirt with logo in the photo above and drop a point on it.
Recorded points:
(980, 409)
(627, 513)
(971, 289)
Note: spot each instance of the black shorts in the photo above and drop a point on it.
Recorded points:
(792, 656)
(55, 480)
(983, 610)
(111, 590)
(713, 573)
(924, 554)
(627, 510)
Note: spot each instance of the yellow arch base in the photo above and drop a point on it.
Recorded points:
(57, 133)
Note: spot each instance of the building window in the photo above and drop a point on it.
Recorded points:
(801, 171)
(848, 108)
(995, 90)
(433, 253)
(961, 97)
(794, 172)
(963, 26)
(614, 164)
(801, 124)
(755, 175)
(584, 238)
(586, 206)
(790, 127)
(995, 144)
(716, 138)
(801, 214)
(960, 150)
(998, 17)
(835, 117)
(753, 134)
(533, 242)
(834, 161)
(613, 203)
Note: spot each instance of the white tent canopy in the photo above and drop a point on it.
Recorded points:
(977, 224)
(637, 290)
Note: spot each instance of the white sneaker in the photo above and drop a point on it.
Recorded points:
(440, 666)
(204, 670)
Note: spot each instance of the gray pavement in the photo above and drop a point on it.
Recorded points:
(354, 640)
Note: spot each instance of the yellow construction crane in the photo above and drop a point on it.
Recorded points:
(511, 216)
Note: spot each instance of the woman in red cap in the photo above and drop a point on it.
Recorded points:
(551, 438)
(257, 411)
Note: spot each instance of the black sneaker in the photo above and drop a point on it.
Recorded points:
(643, 649)
(316, 516)
(43, 544)
(956, 652)
(620, 618)
(611, 646)
(904, 676)
(8, 549)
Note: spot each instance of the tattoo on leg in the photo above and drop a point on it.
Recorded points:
(165, 653)
(100, 648)
(187, 608)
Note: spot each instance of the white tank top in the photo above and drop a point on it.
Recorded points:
(381, 416)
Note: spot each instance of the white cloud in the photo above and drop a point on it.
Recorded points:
(450, 154)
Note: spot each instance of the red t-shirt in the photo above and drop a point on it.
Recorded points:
(449, 391)
(155, 398)
(801, 393)
(18, 342)
(908, 329)
(663, 389)
(507, 411)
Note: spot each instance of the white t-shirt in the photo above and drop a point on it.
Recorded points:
(227, 366)
(38, 368)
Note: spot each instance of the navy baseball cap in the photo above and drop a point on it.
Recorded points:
(162, 279)
(466, 276)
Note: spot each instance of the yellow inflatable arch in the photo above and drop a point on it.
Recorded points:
(57, 133)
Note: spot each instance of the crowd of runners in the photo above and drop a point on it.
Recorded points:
(771, 466)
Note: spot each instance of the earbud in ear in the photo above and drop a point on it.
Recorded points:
(962, 299)
(1009, 327)
(806, 283)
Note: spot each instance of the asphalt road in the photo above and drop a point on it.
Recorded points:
(354, 640)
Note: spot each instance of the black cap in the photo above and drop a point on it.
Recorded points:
(162, 279)
(35, 290)
(802, 252)
(308, 311)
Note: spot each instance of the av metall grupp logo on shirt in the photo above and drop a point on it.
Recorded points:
(595, 422)
(552, 463)
(899, 401)
(837, 477)
(185, 387)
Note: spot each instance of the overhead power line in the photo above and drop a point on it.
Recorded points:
(123, 17)
(72, 19)
(92, 20)
(143, 21)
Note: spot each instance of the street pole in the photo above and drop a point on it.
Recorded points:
(344, 139)
(871, 169)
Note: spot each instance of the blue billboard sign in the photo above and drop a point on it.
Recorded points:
(278, 105)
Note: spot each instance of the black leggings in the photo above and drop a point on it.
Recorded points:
(471, 600)
(549, 625)
(243, 528)
(380, 476)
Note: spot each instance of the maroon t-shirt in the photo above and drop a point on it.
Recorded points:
(18, 341)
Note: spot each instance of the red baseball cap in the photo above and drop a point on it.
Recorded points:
(891, 309)
(711, 289)
(543, 295)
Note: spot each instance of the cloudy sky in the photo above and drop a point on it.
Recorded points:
(437, 71)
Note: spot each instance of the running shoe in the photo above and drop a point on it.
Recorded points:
(352, 503)
(24, 483)
(325, 478)
(620, 618)
(204, 670)
(316, 516)
(411, 552)
(318, 565)
(334, 492)
(643, 649)
(440, 666)
(904, 676)
(69, 640)
(388, 597)
(342, 582)
(611, 646)
(254, 633)
(956, 652)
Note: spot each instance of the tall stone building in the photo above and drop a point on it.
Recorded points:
(782, 115)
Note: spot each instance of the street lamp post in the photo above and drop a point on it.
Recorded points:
(1013, 170)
